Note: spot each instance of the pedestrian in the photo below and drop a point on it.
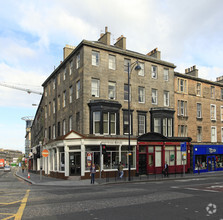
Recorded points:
(166, 171)
(93, 171)
(121, 172)
(23, 167)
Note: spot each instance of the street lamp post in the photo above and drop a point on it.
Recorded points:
(137, 67)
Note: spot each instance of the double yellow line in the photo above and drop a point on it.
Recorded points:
(18, 215)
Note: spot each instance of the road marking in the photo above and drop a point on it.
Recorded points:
(10, 203)
(18, 215)
(187, 180)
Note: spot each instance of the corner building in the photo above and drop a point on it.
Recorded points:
(86, 104)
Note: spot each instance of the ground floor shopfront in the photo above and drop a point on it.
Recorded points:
(74, 155)
(207, 158)
(154, 150)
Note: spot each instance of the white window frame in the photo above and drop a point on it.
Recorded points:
(213, 112)
(71, 67)
(64, 127)
(141, 92)
(154, 96)
(111, 62)
(166, 74)
(126, 62)
(166, 98)
(78, 60)
(78, 85)
(111, 90)
(182, 85)
(54, 131)
(110, 121)
(154, 72)
(199, 110)
(70, 94)
(64, 73)
(54, 106)
(64, 98)
(96, 120)
(105, 121)
(95, 58)
(141, 72)
(125, 122)
(213, 135)
(198, 92)
(199, 134)
(95, 87)
(142, 124)
(221, 112)
(70, 123)
(126, 92)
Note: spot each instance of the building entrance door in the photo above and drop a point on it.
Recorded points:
(142, 164)
(211, 163)
(75, 164)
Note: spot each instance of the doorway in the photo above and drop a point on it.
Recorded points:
(142, 164)
(74, 164)
(211, 163)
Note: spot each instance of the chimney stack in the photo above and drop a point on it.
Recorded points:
(219, 79)
(105, 38)
(192, 71)
(155, 53)
(121, 42)
(67, 51)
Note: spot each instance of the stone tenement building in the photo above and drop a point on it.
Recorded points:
(85, 104)
(199, 107)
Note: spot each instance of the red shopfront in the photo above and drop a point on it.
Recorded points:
(154, 149)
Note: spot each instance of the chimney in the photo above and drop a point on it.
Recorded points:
(121, 42)
(67, 51)
(105, 38)
(155, 53)
(192, 71)
(219, 79)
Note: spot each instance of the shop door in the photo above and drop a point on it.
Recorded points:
(142, 164)
(75, 164)
(211, 163)
(151, 166)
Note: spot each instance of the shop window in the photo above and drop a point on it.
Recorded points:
(219, 161)
(62, 161)
(202, 161)
(142, 149)
(170, 155)
(150, 149)
(158, 158)
(179, 159)
(125, 158)
(92, 156)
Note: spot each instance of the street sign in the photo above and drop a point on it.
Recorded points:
(45, 153)
(183, 146)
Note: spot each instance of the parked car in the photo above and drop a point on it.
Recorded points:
(7, 168)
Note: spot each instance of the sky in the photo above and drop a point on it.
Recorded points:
(33, 34)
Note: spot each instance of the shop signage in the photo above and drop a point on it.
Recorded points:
(212, 150)
(45, 153)
(183, 146)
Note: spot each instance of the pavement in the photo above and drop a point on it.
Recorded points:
(36, 179)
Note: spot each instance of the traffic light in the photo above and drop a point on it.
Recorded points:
(104, 149)
(38, 151)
